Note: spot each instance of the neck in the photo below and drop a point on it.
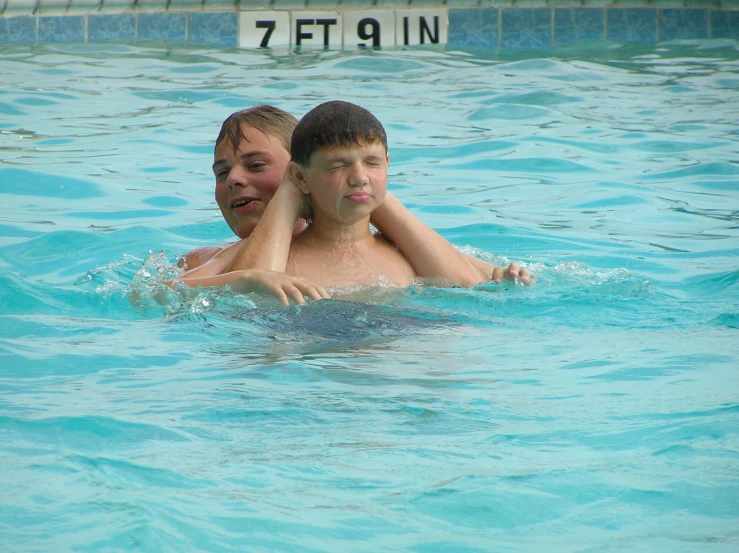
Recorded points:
(332, 233)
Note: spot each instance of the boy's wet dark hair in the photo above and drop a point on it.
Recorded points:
(270, 120)
(334, 124)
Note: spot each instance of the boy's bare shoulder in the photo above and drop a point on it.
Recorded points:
(382, 240)
(383, 243)
(397, 267)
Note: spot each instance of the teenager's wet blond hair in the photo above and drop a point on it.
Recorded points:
(270, 120)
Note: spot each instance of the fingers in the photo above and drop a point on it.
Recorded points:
(524, 276)
(281, 296)
(311, 290)
(297, 289)
(316, 293)
(513, 272)
(498, 275)
(294, 294)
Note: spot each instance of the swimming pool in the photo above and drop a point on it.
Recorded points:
(596, 411)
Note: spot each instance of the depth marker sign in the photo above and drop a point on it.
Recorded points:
(331, 30)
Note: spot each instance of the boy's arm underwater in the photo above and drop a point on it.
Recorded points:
(431, 255)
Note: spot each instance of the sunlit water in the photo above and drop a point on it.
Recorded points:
(596, 411)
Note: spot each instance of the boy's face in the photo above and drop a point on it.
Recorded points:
(246, 179)
(347, 183)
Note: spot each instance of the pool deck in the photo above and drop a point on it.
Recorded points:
(355, 24)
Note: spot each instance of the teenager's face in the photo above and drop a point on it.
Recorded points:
(348, 183)
(247, 179)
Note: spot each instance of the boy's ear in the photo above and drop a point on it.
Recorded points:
(387, 158)
(296, 175)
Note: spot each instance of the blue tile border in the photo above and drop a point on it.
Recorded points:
(111, 27)
(526, 28)
(163, 26)
(574, 24)
(725, 24)
(676, 23)
(632, 25)
(61, 28)
(18, 30)
(217, 28)
(474, 27)
(493, 27)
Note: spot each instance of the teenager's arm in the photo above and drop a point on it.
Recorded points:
(268, 246)
(430, 254)
(283, 287)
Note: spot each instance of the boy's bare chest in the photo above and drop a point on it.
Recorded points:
(379, 264)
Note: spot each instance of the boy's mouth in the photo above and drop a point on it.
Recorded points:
(358, 197)
(244, 204)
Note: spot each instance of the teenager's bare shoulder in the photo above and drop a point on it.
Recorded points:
(199, 256)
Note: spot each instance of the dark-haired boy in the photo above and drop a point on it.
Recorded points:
(340, 159)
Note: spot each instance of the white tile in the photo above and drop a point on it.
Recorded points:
(358, 4)
(220, 4)
(248, 5)
(20, 7)
(321, 4)
(152, 5)
(316, 29)
(264, 29)
(369, 28)
(116, 6)
(52, 7)
(79, 7)
(413, 27)
(185, 5)
(288, 4)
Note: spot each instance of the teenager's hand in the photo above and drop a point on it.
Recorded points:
(513, 272)
(271, 283)
(288, 192)
(268, 283)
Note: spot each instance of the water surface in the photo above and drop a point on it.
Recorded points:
(596, 411)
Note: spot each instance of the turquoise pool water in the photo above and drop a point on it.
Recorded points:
(595, 412)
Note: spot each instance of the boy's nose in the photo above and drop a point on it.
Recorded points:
(237, 177)
(358, 175)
